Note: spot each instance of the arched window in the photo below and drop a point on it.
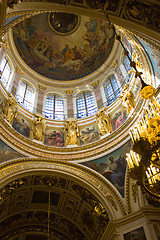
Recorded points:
(25, 96)
(54, 107)
(112, 89)
(6, 71)
(127, 67)
(85, 105)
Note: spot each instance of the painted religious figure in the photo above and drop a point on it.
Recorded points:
(21, 125)
(137, 234)
(71, 132)
(113, 166)
(7, 153)
(89, 134)
(60, 58)
(54, 137)
(103, 122)
(118, 118)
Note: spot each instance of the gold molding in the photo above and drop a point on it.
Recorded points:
(91, 178)
(94, 84)
(114, 64)
(72, 154)
(41, 87)
(19, 71)
(69, 92)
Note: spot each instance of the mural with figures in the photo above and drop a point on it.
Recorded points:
(21, 125)
(118, 118)
(54, 137)
(88, 134)
(59, 57)
(113, 166)
(154, 57)
(137, 234)
(7, 153)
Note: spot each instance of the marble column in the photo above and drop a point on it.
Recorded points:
(40, 98)
(70, 112)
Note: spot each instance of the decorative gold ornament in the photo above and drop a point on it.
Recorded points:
(41, 87)
(148, 92)
(144, 158)
(127, 99)
(69, 92)
(71, 131)
(103, 122)
(38, 128)
(114, 64)
(20, 71)
(94, 84)
(10, 108)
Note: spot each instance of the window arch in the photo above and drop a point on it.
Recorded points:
(112, 89)
(6, 72)
(26, 95)
(85, 105)
(54, 108)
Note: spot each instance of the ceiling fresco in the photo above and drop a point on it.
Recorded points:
(63, 51)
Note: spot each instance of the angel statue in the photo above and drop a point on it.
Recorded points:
(38, 128)
(127, 99)
(71, 131)
(103, 122)
(10, 108)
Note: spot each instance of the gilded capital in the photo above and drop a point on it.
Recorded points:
(69, 92)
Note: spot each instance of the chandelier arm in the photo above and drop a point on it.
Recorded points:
(118, 38)
(49, 210)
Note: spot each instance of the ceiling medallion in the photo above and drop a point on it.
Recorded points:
(63, 23)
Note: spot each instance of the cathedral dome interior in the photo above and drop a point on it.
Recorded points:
(72, 107)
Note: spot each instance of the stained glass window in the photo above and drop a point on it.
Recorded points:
(54, 107)
(112, 89)
(6, 71)
(85, 105)
(25, 96)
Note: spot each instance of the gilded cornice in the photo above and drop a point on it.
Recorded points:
(96, 183)
(137, 28)
(128, 203)
(129, 219)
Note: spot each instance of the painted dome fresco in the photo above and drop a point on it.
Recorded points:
(63, 46)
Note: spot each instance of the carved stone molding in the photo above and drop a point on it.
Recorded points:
(93, 181)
